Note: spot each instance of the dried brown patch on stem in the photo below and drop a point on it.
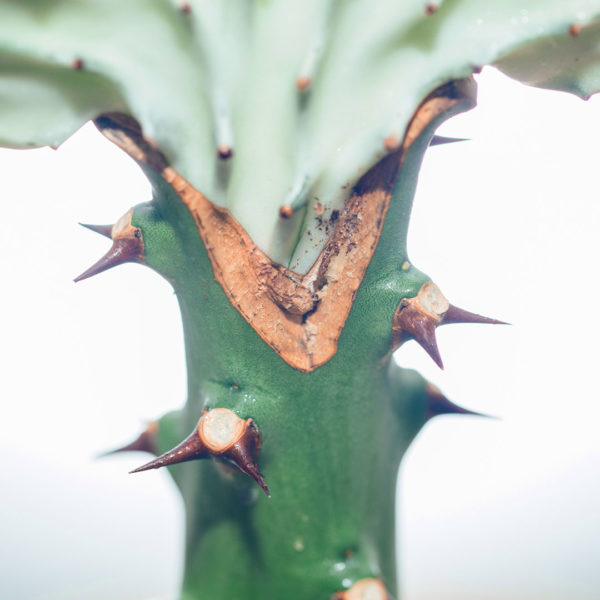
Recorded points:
(300, 316)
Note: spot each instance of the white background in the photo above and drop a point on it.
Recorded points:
(506, 224)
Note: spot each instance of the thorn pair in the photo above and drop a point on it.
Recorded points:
(128, 245)
(220, 434)
(417, 318)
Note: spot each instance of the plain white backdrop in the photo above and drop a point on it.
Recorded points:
(506, 224)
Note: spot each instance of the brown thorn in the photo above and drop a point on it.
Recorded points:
(438, 404)
(122, 251)
(458, 315)
(302, 82)
(438, 140)
(575, 29)
(192, 448)
(425, 335)
(145, 442)
(224, 152)
(431, 8)
(185, 8)
(412, 323)
(243, 453)
(251, 468)
(105, 230)
(286, 211)
(77, 64)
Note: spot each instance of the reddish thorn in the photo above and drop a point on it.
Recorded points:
(105, 230)
(123, 250)
(185, 8)
(145, 442)
(286, 211)
(192, 448)
(302, 82)
(411, 322)
(251, 469)
(77, 64)
(425, 336)
(458, 315)
(431, 8)
(438, 140)
(243, 454)
(438, 404)
(224, 152)
(575, 29)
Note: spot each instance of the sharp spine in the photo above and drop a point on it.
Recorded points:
(192, 448)
(122, 251)
(145, 442)
(440, 140)
(459, 315)
(438, 404)
(105, 230)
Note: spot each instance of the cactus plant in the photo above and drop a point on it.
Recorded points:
(283, 144)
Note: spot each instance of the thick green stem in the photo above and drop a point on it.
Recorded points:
(332, 439)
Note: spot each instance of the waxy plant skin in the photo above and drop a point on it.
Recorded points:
(283, 141)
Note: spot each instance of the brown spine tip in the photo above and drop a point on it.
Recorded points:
(243, 454)
(438, 404)
(224, 152)
(303, 82)
(192, 448)
(575, 29)
(286, 211)
(105, 230)
(145, 442)
(458, 315)
(77, 64)
(439, 140)
(185, 8)
(411, 323)
(391, 142)
(319, 209)
(364, 589)
(122, 251)
(431, 8)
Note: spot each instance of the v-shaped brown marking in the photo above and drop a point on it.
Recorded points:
(300, 316)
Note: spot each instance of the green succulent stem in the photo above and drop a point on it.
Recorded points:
(273, 111)
(332, 439)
